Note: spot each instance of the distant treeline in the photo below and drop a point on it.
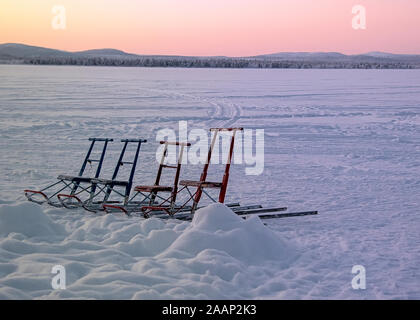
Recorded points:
(215, 63)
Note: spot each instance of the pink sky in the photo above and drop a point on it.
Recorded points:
(214, 27)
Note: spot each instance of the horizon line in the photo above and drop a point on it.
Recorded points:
(181, 55)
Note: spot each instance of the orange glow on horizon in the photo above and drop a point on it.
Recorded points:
(214, 27)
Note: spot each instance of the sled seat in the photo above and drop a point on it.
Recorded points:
(153, 188)
(111, 182)
(200, 184)
(74, 178)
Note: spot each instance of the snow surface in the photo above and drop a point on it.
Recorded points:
(217, 255)
(344, 142)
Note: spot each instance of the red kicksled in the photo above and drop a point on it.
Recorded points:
(186, 210)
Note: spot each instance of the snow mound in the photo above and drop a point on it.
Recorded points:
(219, 229)
(27, 219)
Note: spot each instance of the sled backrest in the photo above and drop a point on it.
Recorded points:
(225, 180)
(128, 183)
(132, 163)
(101, 158)
(163, 164)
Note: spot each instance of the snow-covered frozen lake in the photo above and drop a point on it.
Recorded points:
(344, 142)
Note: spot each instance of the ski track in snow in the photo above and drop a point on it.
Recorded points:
(223, 113)
(344, 142)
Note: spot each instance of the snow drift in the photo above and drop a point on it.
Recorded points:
(218, 255)
(218, 228)
(27, 219)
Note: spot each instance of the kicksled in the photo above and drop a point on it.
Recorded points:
(118, 195)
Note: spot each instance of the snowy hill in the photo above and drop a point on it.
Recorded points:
(106, 53)
(336, 56)
(16, 50)
(303, 55)
(378, 54)
(391, 55)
